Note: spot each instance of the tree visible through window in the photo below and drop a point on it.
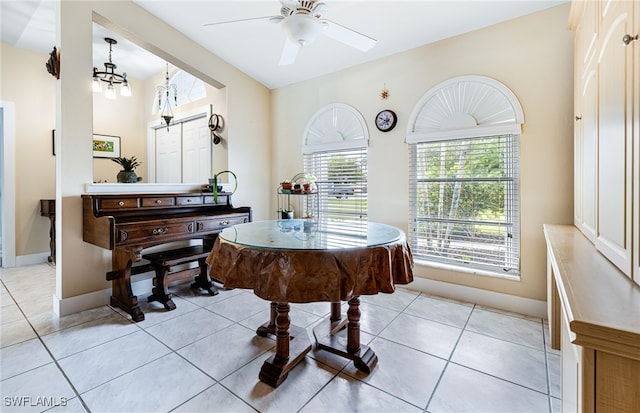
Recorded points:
(466, 202)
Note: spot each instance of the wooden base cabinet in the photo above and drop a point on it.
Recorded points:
(594, 318)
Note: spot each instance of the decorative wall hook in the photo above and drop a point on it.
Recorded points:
(384, 95)
(53, 64)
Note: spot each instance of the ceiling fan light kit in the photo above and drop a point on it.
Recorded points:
(302, 23)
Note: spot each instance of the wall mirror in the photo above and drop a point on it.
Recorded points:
(182, 152)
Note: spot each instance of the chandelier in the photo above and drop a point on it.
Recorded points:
(110, 77)
(164, 101)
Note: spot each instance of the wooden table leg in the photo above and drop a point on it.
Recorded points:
(122, 295)
(288, 352)
(364, 358)
(270, 326)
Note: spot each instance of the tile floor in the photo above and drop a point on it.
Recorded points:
(435, 355)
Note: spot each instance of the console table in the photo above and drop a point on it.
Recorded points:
(297, 261)
(127, 223)
(594, 319)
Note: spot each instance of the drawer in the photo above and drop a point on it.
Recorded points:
(223, 199)
(189, 200)
(158, 202)
(219, 223)
(119, 203)
(153, 232)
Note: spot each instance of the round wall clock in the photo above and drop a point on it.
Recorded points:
(386, 120)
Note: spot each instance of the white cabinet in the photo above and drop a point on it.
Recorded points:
(606, 129)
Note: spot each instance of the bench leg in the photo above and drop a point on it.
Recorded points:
(202, 280)
(160, 290)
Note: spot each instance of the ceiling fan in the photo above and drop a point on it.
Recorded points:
(302, 23)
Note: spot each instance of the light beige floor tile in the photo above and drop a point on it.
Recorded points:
(69, 406)
(35, 390)
(15, 332)
(155, 313)
(188, 328)
(98, 365)
(424, 335)
(240, 306)
(49, 322)
(373, 318)
(440, 310)
(10, 313)
(159, 386)
(507, 327)
(513, 362)
(215, 398)
(225, 351)
(72, 340)
(465, 390)
(403, 372)
(303, 381)
(554, 366)
(346, 394)
(397, 301)
(22, 357)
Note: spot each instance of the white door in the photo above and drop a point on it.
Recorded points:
(196, 150)
(169, 155)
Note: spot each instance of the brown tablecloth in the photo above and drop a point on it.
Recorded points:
(302, 276)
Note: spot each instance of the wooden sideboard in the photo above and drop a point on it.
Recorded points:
(128, 223)
(594, 319)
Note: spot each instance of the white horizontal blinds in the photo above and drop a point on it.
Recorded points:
(464, 196)
(341, 179)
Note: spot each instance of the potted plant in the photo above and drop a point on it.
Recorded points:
(287, 186)
(217, 187)
(285, 213)
(309, 184)
(127, 174)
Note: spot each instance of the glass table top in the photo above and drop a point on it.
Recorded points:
(302, 234)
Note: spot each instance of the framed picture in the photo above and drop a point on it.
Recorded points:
(106, 146)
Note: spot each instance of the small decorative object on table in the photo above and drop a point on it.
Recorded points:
(127, 174)
(217, 187)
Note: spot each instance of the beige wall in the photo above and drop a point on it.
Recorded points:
(26, 83)
(530, 55)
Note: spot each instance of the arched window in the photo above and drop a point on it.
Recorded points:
(463, 138)
(189, 89)
(334, 146)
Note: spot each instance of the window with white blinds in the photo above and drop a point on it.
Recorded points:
(464, 196)
(341, 180)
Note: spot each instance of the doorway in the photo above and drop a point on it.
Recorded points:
(7, 185)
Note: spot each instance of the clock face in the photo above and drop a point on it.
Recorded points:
(386, 120)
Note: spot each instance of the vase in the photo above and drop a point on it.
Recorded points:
(127, 177)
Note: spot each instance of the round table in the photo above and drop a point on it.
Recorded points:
(302, 261)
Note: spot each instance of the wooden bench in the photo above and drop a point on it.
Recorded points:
(163, 263)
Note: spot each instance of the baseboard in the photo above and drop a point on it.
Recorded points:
(506, 302)
(39, 258)
(96, 299)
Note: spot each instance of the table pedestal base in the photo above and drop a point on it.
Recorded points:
(292, 344)
(364, 358)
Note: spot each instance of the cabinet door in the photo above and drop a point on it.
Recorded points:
(586, 126)
(615, 160)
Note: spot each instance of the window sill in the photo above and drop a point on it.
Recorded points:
(466, 270)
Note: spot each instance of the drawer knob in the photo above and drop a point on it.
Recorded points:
(159, 231)
(121, 203)
(189, 200)
(224, 223)
(158, 201)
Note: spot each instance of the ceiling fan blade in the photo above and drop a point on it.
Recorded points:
(275, 19)
(347, 36)
(289, 53)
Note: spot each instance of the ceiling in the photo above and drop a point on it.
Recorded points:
(254, 46)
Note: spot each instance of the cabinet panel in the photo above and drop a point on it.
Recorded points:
(614, 139)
